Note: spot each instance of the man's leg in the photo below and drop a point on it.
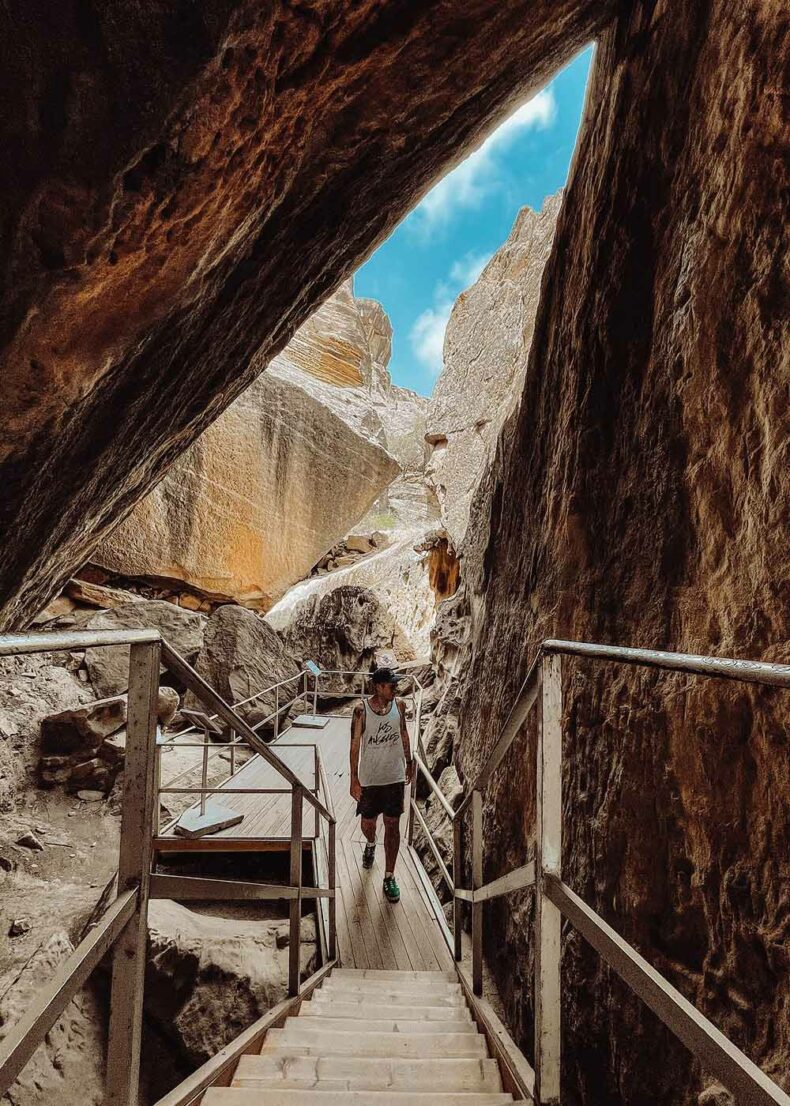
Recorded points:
(391, 843)
(369, 832)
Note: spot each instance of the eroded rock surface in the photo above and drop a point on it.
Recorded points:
(640, 496)
(69, 1066)
(108, 665)
(275, 481)
(31, 687)
(343, 629)
(242, 655)
(181, 190)
(486, 344)
(210, 977)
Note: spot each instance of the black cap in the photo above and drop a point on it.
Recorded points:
(385, 676)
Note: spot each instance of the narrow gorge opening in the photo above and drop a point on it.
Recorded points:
(513, 422)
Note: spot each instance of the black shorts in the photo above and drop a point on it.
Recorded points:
(386, 800)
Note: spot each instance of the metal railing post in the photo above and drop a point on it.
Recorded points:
(294, 950)
(204, 774)
(157, 789)
(315, 692)
(477, 881)
(134, 870)
(316, 788)
(276, 713)
(331, 864)
(415, 747)
(548, 859)
(233, 752)
(458, 877)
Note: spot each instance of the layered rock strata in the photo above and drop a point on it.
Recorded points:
(639, 496)
(181, 189)
(275, 481)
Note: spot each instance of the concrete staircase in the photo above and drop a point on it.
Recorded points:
(383, 1038)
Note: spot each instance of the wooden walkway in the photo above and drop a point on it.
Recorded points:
(371, 933)
(267, 818)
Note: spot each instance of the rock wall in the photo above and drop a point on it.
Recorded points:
(275, 481)
(487, 337)
(181, 188)
(640, 496)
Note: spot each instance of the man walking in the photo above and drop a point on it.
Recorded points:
(381, 765)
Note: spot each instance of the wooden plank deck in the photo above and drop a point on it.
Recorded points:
(267, 818)
(371, 933)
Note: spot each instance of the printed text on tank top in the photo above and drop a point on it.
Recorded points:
(381, 759)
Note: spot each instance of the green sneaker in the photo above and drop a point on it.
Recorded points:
(391, 889)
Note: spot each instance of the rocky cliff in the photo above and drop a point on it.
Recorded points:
(275, 481)
(489, 332)
(640, 496)
(181, 188)
(400, 596)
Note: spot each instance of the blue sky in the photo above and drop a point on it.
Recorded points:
(440, 248)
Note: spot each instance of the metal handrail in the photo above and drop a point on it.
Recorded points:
(735, 1070)
(251, 699)
(224, 711)
(13, 644)
(123, 926)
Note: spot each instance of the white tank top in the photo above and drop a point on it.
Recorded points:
(381, 759)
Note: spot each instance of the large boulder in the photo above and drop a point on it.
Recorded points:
(210, 977)
(399, 599)
(108, 665)
(242, 655)
(276, 481)
(486, 344)
(343, 629)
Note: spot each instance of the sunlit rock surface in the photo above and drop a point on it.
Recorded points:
(398, 573)
(485, 347)
(275, 481)
(181, 188)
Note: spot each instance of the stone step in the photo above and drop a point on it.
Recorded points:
(235, 1096)
(368, 989)
(364, 1011)
(301, 1041)
(393, 975)
(326, 1023)
(390, 998)
(357, 1073)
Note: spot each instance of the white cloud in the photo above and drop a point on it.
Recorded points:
(466, 186)
(427, 335)
(468, 268)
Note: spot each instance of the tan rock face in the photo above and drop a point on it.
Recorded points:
(69, 1066)
(485, 347)
(275, 481)
(640, 496)
(181, 190)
